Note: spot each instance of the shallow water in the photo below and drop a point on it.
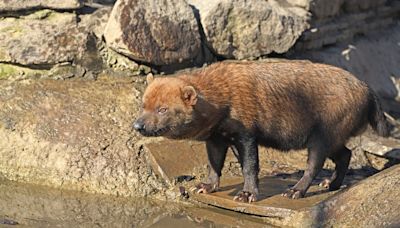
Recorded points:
(36, 206)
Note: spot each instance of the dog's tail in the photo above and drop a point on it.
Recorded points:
(376, 116)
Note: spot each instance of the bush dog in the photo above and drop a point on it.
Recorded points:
(279, 104)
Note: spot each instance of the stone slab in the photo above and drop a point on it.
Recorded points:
(384, 147)
(270, 203)
(173, 158)
(17, 5)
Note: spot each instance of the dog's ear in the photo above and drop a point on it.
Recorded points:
(149, 78)
(189, 95)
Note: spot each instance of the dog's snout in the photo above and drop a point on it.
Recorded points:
(138, 125)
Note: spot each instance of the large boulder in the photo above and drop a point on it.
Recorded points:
(16, 5)
(244, 29)
(44, 37)
(157, 32)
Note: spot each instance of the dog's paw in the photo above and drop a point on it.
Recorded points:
(293, 194)
(203, 188)
(246, 197)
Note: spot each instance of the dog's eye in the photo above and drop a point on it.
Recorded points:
(162, 110)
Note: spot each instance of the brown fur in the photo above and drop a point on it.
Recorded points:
(296, 95)
(284, 105)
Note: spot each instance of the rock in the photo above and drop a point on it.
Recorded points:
(320, 8)
(373, 59)
(119, 62)
(244, 29)
(74, 135)
(8, 222)
(66, 71)
(383, 147)
(9, 71)
(58, 71)
(156, 32)
(96, 21)
(16, 5)
(325, 8)
(103, 2)
(344, 26)
(164, 157)
(356, 5)
(42, 38)
(372, 202)
(371, 150)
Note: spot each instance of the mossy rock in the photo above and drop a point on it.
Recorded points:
(41, 38)
(12, 71)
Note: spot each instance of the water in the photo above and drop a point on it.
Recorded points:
(36, 206)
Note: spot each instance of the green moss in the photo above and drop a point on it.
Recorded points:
(40, 15)
(48, 15)
(9, 70)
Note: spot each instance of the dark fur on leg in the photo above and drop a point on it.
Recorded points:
(341, 158)
(247, 150)
(216, 152)
(316, 158)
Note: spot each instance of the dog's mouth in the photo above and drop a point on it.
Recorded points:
(156, 133)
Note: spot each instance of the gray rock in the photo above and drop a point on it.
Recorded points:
(157, 32)
(320, 8)
(357, 5)
(348, 24)
(44, 37)
(373, 59)
(383, 147)
(103, 2)
(328, 8)
(96, 22)
(243, 29)
(325, 8)
(16, 5)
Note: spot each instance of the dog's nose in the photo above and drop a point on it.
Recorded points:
(138, 126)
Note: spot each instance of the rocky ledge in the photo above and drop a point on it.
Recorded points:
(73, 135)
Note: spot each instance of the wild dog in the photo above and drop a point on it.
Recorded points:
(283, 105)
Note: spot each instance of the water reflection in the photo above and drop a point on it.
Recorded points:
(36, 206)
